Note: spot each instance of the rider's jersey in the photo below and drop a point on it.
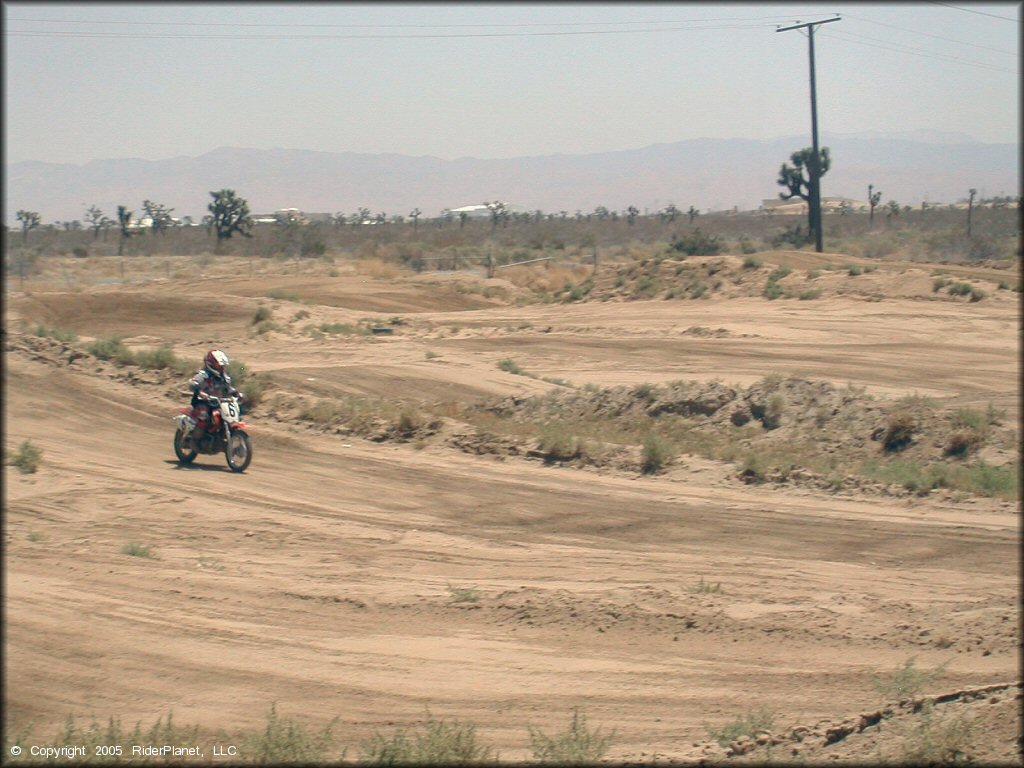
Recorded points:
(206, 383)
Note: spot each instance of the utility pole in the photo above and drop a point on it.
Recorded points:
(814, 169)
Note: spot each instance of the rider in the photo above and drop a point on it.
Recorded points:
(212, 380)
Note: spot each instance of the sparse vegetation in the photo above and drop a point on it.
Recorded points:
(438, 742)
(899, 431)
(27, 458)
(576, 745)
(658, 453)
(60, 334)
(746, 725)
(707, 588)
(134, 549)
(285, 740)
(463, 594)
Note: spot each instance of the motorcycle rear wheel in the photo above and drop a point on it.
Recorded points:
(238, 451)
(186, 455)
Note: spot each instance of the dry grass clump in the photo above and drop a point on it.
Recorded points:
(438, 743)
(285, 740)
(576, 745)
(542, 278)
(378, 268)
(963, 441)
(899, 431)
(160, 358)
(658, 453)
(27, 458)
(747, 725)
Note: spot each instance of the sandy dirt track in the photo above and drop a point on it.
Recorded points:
(325, 578)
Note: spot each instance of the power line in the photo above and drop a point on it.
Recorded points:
(928, 34)
(396, 26)
(227, 36)
(971, 10)
(900, 48)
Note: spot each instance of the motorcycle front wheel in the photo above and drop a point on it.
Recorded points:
(183, 448)
(238, 451)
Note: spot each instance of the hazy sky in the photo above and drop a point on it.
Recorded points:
(93, 81)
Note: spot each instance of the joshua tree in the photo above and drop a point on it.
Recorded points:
(499, 212)
(631, 213)
(415, 214)
(124, 218)
(96, 220)
(808, 187)
(693, 213)
(874, 198)
(160, 216)
(230, 214)
(671, 212)
(29, 220)
(970, 208)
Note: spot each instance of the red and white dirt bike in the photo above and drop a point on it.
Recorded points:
(224, 432)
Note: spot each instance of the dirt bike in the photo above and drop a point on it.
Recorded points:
(224, 432)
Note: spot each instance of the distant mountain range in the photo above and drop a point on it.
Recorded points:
(709, 174)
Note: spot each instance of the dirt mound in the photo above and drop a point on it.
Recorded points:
(121, 312)
(969, 724)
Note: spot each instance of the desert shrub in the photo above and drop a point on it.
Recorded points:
(252, 384)
(697, 243)
(707, 588)
(645, 392)
(281, 293)
(409, 421)
(558, 444)
(27, 458)
(912, 475)
(440, 743)
(346, 329)
(161, 358)
(463, 594)
(266, 327)
(751, 263)
(302, 314)
(773, 412)
(60, 334)
(262, 315)
(854, 270)
(969, 417)
(754, 468)
(134, 549)
(963, 441)
(510, 366)
(939, 283)
(646, 286)
(811, 293)
(747, 245)
(778, 273)
(112, 734)
(285, 740)
(989, 480)
(934, 739)
(748, 725)
(960, 289)
(793, 236)
(698, 290)
(772, 290)
(109, 349)
(907, 681)
(657, 454)
(977, 294)
(899, 431)
(577, 745)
